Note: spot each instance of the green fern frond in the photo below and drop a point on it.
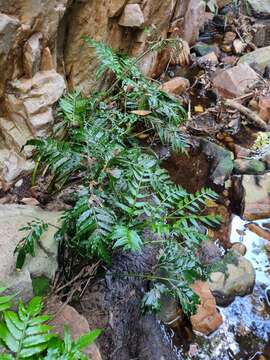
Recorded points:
(28, 243)
(126, 238)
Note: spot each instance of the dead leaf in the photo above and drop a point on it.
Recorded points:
(141, 112)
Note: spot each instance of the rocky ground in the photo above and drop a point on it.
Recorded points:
(223, 79)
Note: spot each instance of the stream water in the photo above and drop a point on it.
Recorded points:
(245, 333)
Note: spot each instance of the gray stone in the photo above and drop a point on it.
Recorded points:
(259, 8)
(132, 16)
(237, 280)
(12, 218)
(221, 161)
(202, 49)
(259, 58)
(194, 21)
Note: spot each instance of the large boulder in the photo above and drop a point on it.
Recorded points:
(207, 318)
(259, 58)
(44, 264)
(256, 196)
(237, 279)
(194, 20)
(235, 81)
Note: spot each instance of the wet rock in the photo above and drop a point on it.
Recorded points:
(207, 319)
(170, 313)
(176, 86)
(235, 81)
(194, 20)
(221, 161)
(66, 315)
(256, 196)
(132, 16)
(258, 58)
(240, 248)
(259, 8)
(237, 280)
(249, 167)
(265, 234)
(32, 55)
(264, 108)
(13, 217)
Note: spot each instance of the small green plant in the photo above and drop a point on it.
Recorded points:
(25, 334)
(124, 192)
(28, 243)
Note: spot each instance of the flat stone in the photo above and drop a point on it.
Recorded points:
(235, 81)
(259, 58)
(12, 218)
(238, 280)
(132, 16)
(207, 319)
(176, 86)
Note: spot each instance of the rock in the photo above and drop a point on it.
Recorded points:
(240, 248)
(176, 86)
(194, 20)
(32, 55)
(265, 234)
(229, 38)
(116, 7)
(13, 168)
(13, 217)
(202, 49)
(220, 160)
(132, 16)
(209, 253)
(239, 46)
(77, 324)
(208, 59)
(229, 60)
(259, 8)
(47, 62)
(237, 280)
(249, 167)
(264, 107)
(222, 3)
(30, 103)
(235, 81)
(9, 26)
(259, 58)
(170, 314)
(261, 31)
(207, 318)
(256, 196)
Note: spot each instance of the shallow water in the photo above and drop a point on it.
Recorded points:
(245, 333)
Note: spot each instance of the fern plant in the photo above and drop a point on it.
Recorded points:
(27, 244)
(25, 334)
(124, 191)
